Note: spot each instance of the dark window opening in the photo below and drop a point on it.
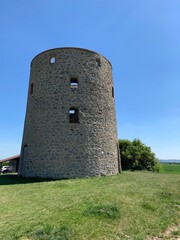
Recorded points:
(113, 92)
(98, 62)
(52, 60)
(73, 115)
(31, 88)
(74, 82)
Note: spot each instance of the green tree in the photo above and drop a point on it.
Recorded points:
(137, 156)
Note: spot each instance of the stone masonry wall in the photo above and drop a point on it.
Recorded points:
(52, 147)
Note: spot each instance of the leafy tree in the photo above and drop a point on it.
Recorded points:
(137, 156)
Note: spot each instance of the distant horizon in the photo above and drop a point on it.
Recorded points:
(177, 161)
(170, 159)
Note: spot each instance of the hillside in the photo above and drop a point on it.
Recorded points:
(132, 205)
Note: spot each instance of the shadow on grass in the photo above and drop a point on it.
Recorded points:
(11, 179)
(48, 232)
(102, 211)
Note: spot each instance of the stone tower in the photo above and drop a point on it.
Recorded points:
(70, 124)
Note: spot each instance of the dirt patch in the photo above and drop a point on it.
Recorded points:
(172, 233)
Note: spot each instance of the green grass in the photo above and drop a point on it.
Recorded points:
(131, 205)
(171, 168)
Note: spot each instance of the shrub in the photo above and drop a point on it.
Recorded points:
(137, 156)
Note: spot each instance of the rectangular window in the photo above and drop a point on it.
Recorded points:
(74, 82)
(73, 115)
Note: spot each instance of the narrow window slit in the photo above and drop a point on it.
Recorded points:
(31, 88)
(113, 92)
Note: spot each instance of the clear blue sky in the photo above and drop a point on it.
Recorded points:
(141, 38)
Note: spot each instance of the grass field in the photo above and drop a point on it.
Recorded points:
(171, 168)
(131, 205)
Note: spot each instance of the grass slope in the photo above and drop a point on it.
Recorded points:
(132, 205)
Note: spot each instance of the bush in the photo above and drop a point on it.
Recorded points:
(137, 156)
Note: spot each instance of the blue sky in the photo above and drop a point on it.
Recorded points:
(141, 38)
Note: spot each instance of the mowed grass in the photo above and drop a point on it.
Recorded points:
(171, 168)
(131, 205)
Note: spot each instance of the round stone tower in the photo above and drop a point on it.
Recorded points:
(70, 124)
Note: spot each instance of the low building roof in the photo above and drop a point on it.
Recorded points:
(10, 158)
